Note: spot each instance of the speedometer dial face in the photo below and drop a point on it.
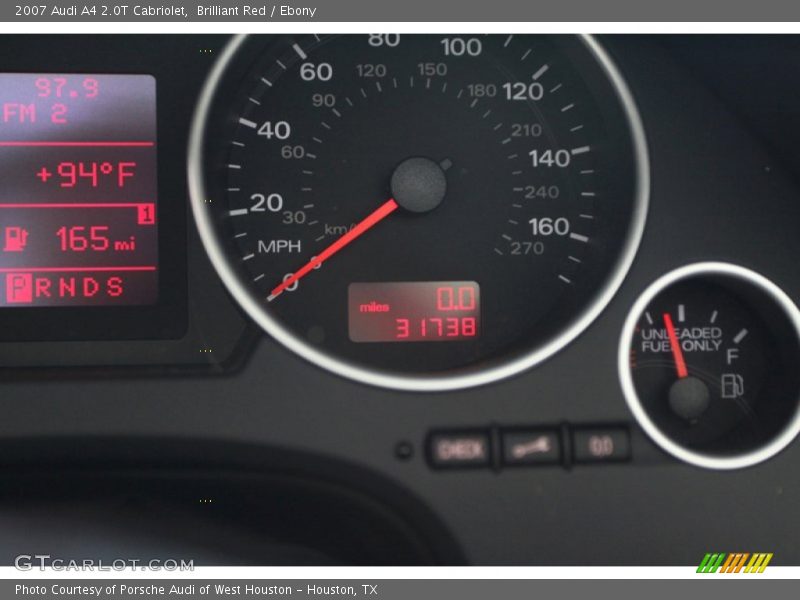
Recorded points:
(421, 211)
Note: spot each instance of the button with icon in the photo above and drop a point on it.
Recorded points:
(522, 447)
(600, 444)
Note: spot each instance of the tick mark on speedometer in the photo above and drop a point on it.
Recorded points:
(248, 123)
(299, 51)
(542, 70)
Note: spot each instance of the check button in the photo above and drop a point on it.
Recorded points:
(454, 449)
(531, 447)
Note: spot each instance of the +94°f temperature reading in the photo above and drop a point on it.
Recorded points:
(78, 214)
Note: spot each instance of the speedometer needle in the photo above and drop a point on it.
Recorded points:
(383, 211)
(677, 353)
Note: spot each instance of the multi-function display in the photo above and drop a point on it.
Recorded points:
(78, 208)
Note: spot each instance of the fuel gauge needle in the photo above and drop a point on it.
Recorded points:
(383, 211)
(677, 353)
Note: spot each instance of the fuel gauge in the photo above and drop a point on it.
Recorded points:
(708, 363)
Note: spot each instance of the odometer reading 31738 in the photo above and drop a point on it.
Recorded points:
(331, 173)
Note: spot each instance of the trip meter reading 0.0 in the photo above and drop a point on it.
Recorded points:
(418, 311)
(324, 163)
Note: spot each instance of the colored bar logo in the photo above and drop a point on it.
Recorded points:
(736, 562)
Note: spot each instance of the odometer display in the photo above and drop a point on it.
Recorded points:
(326, 167)
(419, 311)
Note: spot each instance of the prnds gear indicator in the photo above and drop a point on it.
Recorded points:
(78, 223)
(709, 365)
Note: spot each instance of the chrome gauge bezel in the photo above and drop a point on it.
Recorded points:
(392, 380)
(700, 459)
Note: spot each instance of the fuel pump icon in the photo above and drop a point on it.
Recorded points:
(732, 386)
(16, 238)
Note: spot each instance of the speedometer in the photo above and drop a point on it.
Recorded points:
(419, 211)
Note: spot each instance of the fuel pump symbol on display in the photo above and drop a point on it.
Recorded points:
(732, 385)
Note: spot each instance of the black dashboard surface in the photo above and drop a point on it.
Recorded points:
(220, 426)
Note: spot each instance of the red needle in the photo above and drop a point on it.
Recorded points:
(383, 211)
(677, 353)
